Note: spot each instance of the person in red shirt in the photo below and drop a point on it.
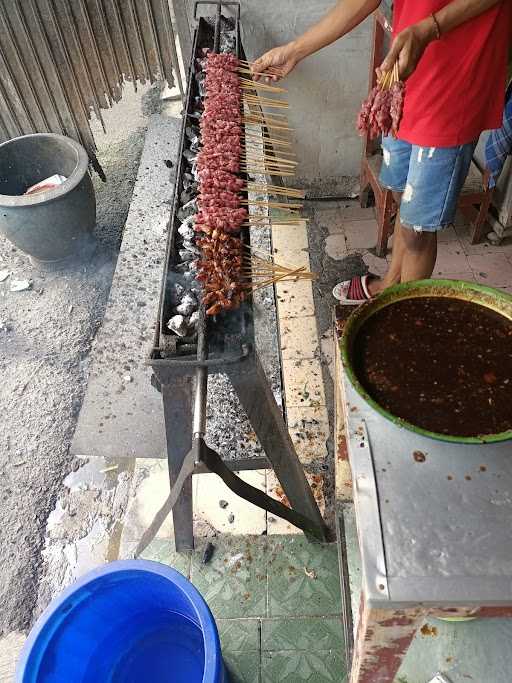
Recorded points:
(453, 56)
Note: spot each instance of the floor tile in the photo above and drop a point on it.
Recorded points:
(238, 516)
(447, 234)
(285, 235)
(162, 550)
(466, 276)
(294, 667)
(299, 337)
(243, 667)
(309, 429)
(357, 213)
(336, 246)
(494, 270)
(239, 635)
(278, 525)
(303, 381)
(451, 258)
(292, 258)
(149, 492)
(234, 582)
(361, 234)
(303, 633)
(295, 299)
(303, 578)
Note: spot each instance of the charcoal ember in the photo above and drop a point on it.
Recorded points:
(187, 210)
(195, 146)
(186, 232)
(186, 196)
(189, 155)
(188, 305)
(186, 255)
(195, 114)
(178, 324)
(188, 180)
(194, 319)
(176, 293)
(189, 245)
(192, 132)
(227, 42)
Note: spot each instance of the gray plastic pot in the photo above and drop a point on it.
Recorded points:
(55, 225)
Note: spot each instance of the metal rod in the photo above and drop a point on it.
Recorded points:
(201, 387)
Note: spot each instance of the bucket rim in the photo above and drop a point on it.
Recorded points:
(421, 288)
(82, 164)
(212, 655)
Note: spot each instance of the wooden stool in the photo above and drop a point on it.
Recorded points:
(474, 201)
(475, 198)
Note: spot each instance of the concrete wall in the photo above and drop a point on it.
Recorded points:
(325, 91)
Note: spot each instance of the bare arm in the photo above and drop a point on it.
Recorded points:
(410, 44)
(344, 16)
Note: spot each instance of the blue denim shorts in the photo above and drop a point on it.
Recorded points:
(429, 178)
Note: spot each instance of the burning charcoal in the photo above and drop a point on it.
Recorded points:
(189, 155)
(195, 146)
(187, 210)
(176, 292)
(186, 226)
(227, 42)
(186, 196)
(191, 132)
(188, 179)
(195, 114)
(178, 325)
(189, 245)
(186, 232)
(188, 305)
(194, 319)
(186, 255)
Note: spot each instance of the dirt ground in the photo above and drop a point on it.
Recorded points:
(45, 338)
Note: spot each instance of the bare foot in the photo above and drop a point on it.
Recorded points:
(375, 285)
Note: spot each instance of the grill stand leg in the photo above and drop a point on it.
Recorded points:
(253, 390)
(177, 400)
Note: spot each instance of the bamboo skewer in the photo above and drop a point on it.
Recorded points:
(276, 189)
(274, 205)
(248, 154)
(248, 84)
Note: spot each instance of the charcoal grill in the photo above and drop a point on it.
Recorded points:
(224, 344)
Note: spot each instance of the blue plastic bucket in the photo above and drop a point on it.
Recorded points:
(126, 622)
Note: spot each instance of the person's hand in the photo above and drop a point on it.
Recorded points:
(408, 48)
(278, 62)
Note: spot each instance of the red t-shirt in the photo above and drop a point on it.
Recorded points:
(457, 90)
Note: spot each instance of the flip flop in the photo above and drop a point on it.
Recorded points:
(353, 292)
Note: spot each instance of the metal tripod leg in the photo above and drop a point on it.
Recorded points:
(177, 399)
(251, 385)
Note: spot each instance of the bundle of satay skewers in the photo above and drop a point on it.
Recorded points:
(227, 268)
(381, 112)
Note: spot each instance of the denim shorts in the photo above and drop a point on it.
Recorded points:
(429, 178)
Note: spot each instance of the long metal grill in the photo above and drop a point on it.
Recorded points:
(183, 358)
(62, 60)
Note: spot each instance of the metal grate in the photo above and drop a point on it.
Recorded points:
(62, 60)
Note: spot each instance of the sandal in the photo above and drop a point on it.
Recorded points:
(353, 292)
